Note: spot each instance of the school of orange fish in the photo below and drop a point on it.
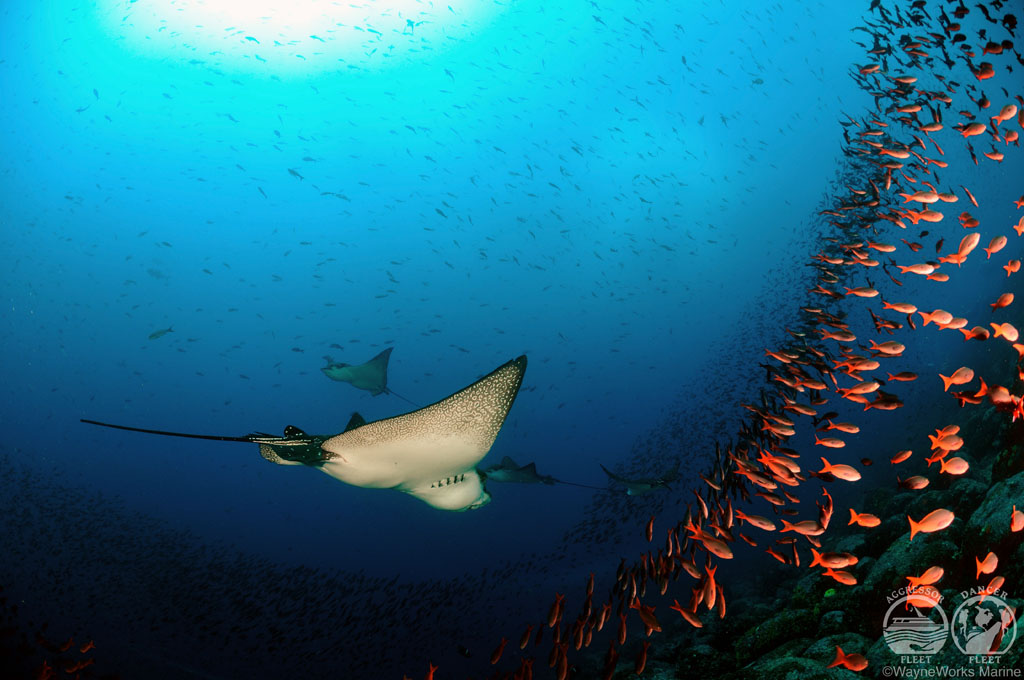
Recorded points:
(900, 144)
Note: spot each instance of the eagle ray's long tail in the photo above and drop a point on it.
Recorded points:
(247, 439)
(396, 394)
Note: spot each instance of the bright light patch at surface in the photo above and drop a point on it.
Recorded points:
(294, 35)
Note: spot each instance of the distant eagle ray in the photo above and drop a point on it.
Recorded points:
(430, 453)
(510, 471)
(371, 376)
(641, 486)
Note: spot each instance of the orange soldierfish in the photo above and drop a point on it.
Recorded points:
(920, 197)
(863, 291)
(973, 129)
(853, 662)
(832, 560)
(961, 376)
(808, 527)
(646, 615)
(939, 316)
(922, 269)
(936, 520)
(713, 545)
(863, 519)
(1016, 520)
(915, 483)
(884, 402)
(931, 576)
(968, 243)
(610, 659)
(762, 523)
(79, 665)
(901, 456)
(562, 662)
(946, 442)
(968, 221)
(691, 617)
(995, 584)
(995, 245)
(839, 471)
(901, 307)
(430, 673)
(866, 387)
(970, 196)
(955, 324)
(953, 466)
(496, 654)
(998, 394)
(717, 547)
(848, 428)
(710, 586)
(987, 565)
(1012, 266)
(1005, 114)
(976, 333)
(844, 577)
(889, 348)
(1005, 330)
(925, 597)
(554, 614)
(524, 639)
(1004, 301)
(641, 659)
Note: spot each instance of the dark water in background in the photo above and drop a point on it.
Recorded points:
(628, 194)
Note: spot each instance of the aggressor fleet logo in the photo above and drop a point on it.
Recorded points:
(908, 629)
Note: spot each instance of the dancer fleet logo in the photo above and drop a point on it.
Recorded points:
(983, 624)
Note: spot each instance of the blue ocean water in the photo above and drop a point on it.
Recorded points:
(626, 193)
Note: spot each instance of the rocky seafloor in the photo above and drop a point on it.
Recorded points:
(785, 622)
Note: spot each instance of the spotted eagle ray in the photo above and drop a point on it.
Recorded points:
(430, 453)
(641, 486)
(371, 376)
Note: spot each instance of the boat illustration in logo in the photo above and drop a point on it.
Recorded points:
(912, 632)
